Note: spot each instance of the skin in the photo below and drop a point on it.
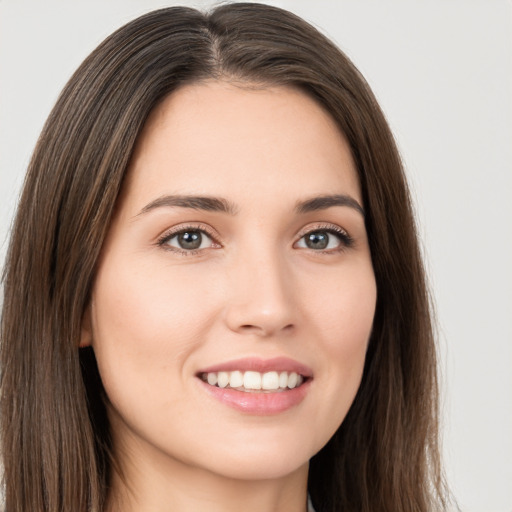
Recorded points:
(254, 289)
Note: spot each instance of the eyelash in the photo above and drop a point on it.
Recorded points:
(169, 235)
(346, 241)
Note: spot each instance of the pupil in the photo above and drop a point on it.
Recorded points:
(190, 240)
(317, 240)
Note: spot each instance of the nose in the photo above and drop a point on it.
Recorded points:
(261, 299)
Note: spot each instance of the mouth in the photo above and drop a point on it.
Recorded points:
(254, 382)
(257, 386)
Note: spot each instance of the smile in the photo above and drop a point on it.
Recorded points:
(252, 381)
(257, 386)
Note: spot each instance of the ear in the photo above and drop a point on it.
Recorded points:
(86, 330)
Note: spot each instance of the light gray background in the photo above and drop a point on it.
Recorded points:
(442, 70)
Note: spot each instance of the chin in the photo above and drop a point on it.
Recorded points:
(261, 468)
(259, 461)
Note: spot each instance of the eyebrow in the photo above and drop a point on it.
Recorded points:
(324, 202)
(218, 204)
(210, 204)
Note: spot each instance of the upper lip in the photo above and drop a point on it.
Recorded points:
(255, 364)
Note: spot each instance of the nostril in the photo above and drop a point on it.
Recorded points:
(265, 329)
(260, 316)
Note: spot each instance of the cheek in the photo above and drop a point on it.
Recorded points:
(351, 325)
(344, 314)
(145, 325)
(137, 303)
(343, 310)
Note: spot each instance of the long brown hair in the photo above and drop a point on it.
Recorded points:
(55, 434)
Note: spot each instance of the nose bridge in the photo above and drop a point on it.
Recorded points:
(261, 301)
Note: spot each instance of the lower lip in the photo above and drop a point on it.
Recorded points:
(259, 403)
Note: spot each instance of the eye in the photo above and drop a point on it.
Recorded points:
(187, 240)
(327, 239)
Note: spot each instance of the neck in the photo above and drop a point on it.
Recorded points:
(165, 485)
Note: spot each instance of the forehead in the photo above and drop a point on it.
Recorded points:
(217, 138)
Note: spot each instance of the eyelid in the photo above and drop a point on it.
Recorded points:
(346, 240)
(319, 226)
(187, 226)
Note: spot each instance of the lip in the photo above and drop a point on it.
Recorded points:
(259, 403)
(278, 364)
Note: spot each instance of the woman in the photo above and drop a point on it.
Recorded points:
(213, 293)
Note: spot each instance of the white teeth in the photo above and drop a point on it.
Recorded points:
(223, 379)
(236, 380)
(254, 381)
(292, 380)
(270, 380)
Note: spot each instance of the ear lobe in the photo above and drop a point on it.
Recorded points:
(86, 330)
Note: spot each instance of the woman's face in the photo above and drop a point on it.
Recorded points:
(237, 259)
